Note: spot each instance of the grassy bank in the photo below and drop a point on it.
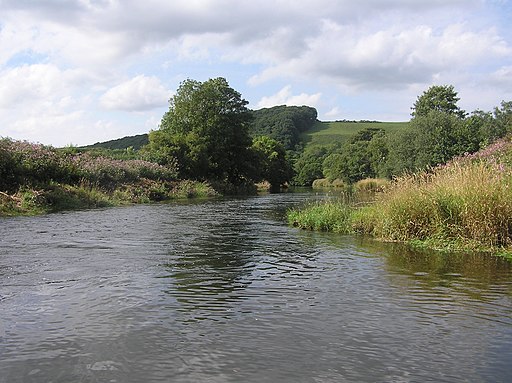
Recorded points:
(464, 205)
(36, 179)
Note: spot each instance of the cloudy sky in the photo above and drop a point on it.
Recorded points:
(83, 71)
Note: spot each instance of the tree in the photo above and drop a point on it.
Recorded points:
(361, 157)
(308, 167)
(283, 123)
(436, 138)
(206, 130)
(440, 98)
(272, 163)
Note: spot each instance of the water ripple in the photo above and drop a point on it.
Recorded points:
(221, 291)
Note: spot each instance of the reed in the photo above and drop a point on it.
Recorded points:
(332, 216)
(372, 185)
(460, 205)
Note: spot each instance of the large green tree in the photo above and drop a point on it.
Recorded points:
(206, 130)
(439, 98)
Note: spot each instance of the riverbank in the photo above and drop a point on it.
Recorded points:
(56, 197)
(465, 205)
(37, 179)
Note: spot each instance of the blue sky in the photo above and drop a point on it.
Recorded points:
(83, 71)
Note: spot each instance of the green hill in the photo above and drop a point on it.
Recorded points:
(136, 142)
(327, 132)
(321, 133)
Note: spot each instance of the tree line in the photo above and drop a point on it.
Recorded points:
(212, 135)
(438, 131)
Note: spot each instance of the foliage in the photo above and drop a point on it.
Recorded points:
(134, 142)
(283, 123)
(325, 183)
(438, 98)
(308, 166)
(357, 159)
(109, 173)
(272, 164)
(35, 179)
(460, 205)
(463, 205)
(26, 164)
(206, 130)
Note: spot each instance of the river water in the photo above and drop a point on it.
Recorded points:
(224, 291)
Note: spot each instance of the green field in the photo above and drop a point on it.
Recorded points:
(328, 132)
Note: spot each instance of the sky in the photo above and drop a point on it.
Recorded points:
(76, 72)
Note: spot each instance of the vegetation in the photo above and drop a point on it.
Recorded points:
(325, 133)
(36, 179)
(284, 124)
(463, 205)
(438, 98)
(271, 162)
(451, 190)
(206, 131)
(134, 142)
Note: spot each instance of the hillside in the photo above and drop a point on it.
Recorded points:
(321, 133)
(327, 132)
(136, 142)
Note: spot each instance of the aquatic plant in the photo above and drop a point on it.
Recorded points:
(332, 216)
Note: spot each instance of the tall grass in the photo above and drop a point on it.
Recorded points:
(325, 183)
(371, 185)
(332, 216)
(463, 205)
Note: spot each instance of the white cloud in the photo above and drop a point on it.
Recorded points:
(40, 83)
(334, 113)
(285, 97)
(389, 58)
(503, 78)
(139, 93)
(65, 58)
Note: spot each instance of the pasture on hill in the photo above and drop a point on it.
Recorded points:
(324, 133)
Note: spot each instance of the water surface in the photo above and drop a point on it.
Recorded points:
(224, 291)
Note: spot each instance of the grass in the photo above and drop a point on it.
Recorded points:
(332, 216)
(371, 185)
(459, 206)
(322, 183)
(465, 205)
(58, 197)
(325, 133)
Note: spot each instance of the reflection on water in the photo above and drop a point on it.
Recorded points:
(224, 291)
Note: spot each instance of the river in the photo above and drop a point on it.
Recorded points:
(224, 291)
